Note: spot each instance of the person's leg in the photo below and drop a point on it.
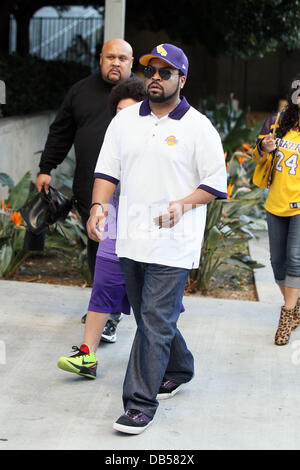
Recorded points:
(108, 293)
(109, 330)
(282, 288)
(156, 304)
(134, 274)
(291, 295)
(84, 362)
(33, 242)
(292, 280)
(278, 234)
(109, 333)
(109, 296)
(94, 325)
(180, 367)
(285, 261)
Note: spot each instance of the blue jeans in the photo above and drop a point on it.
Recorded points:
(284, 239)
(159, 351)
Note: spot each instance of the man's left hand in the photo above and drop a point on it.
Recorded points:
(175, 211)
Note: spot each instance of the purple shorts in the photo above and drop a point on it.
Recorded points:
(108, 293)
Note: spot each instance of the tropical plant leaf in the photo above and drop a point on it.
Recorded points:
(19, 194)
(6, 180)
(6, 254)
(17, 259)
(213, 237)
(237, 263)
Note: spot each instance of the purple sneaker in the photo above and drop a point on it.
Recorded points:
(132, 422)
(168, 389)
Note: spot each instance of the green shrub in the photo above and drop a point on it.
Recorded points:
(231, 223)
(12, 230)
(67, 235)
(34, 84)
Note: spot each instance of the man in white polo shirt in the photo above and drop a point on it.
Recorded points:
(170, 163)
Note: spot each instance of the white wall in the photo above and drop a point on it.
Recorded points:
(20, 138)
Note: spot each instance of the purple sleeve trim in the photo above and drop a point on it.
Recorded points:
(213, 191)
(103, 176)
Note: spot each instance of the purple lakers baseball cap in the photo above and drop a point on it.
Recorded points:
(171, 54)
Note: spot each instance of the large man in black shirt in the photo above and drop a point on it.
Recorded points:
(82, 120)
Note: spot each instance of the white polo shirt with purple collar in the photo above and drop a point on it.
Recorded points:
(158, 161)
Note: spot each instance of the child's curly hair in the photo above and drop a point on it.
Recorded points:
(131, 88)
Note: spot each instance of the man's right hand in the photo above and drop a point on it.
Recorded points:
(43, 181)
(95, 227)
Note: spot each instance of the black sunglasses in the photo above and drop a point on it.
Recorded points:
(163, 72)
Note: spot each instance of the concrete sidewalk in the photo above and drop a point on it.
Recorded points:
(245, 394)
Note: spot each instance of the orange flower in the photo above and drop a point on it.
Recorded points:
(4, 206)
(16, 218)
(246, 147)
(229, 190)
(241, 159)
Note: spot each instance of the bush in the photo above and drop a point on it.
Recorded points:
(34, 84)
(230, 223)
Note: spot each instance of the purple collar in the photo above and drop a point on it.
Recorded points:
(176, 113)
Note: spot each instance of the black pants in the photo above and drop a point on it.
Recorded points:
(92, 246)
(34, 242)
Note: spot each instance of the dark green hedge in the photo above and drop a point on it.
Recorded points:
(34, 84)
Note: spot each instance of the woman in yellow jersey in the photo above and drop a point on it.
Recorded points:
(283, 207)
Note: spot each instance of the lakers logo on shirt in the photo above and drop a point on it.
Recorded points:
(171, 140)
(160, 49)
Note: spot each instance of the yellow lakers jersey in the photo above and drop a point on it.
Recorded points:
(284, 194)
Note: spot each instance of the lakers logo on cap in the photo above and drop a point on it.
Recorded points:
(160, 49)
(171, 140)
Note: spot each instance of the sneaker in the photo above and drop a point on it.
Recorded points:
(168, 389)
(109, 334)
(82, 363)
(132, 422)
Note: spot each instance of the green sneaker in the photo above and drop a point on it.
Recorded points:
(82, 363)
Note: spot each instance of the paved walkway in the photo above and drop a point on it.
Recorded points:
(245, 394)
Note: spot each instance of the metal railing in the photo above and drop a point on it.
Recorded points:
(68, 39)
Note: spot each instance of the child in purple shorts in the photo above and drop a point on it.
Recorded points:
(108, 293)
